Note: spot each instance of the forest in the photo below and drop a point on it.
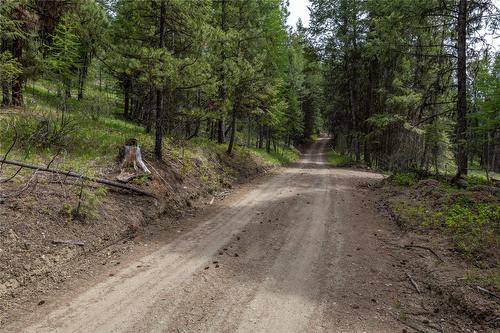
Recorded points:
(232, 172)
(400, 85)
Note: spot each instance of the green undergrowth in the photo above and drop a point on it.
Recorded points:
(470, 215)
(86, 137)
(281, 157)
(486, 277)
(336, 159)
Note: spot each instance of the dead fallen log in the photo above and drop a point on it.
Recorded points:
(70, 242)
(103, 181)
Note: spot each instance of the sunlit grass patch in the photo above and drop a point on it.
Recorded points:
(336, 159)
(282, 157)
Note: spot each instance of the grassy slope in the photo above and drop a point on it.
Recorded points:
(470, 217)
(58, 208)
(91, 138)
(338, 160)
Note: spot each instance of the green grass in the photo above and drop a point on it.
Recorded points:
(482, 174)
(471, 219)
(489, 277)
(92, 133)
(338, 160)
(282, 157)
(404, 178)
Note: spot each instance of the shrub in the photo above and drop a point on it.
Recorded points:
(88, 201)
(32, 131)
(338, 160)
(404, 179)
(96, 107)
(474, 226)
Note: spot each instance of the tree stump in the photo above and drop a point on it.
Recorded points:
(131, 162)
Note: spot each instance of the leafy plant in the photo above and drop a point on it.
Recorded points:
(404, 179)
(338, 160)
(88, 201)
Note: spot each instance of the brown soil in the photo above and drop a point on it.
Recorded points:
(303, 250)
(451, 292)
(33, 264)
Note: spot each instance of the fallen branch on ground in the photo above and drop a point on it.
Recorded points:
(486, 291)
(413, 282)
(71, 242)
(33, 179)
(426, 248)
(77, 175)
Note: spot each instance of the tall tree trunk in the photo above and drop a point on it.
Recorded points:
(233, 128)
(212, 130)
(268, 139)
(220, 131)
(82, 77)
(67, 88)
(5, 83)
(159, 92)
(496, 152)
(222, 76)
(5, 94)
(248, 131)
(261, 136)
(126, 97)
(461, 127)
(17, 84)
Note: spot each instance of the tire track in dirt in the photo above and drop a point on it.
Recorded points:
(296, 254)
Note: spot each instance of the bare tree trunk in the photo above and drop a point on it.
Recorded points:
(220, 131)
(17, 84)
(222, 76)
(461, 127)
(261, 136)
(67, 88)
(5, 94)
(5, 83)
(268, 139)
(126, 97)
(233, 128)
(82, 77)
(159, 92)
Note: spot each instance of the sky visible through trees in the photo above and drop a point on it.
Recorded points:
(398, 84)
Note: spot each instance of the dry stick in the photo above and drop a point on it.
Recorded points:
(53, 158)
(24, 188)
(486, 291)
(10, 148)
(426, 248)
(11, 177)
(413, 282)
(164, 181)
(417, 329)
(80, 198)
(71, 242)
(78, 175)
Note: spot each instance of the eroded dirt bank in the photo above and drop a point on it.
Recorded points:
(43, 247)
(302, 251)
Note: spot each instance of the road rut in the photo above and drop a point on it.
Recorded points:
(298, 253)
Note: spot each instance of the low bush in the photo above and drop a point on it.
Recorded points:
(336, 159)
(404, 179)
(472, 220)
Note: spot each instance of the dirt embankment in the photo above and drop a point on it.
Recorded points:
(37, 221)
(454, 266)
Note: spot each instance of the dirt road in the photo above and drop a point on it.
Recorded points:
(298, 253)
